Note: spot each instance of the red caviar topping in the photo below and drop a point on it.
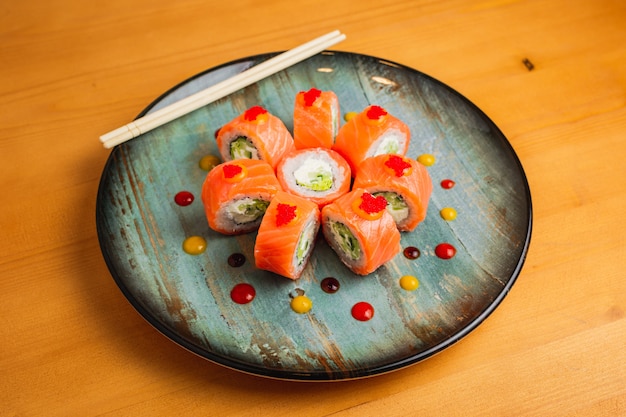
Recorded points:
(253, 113)
(234, 172)
(310, 96)
(375, 113)
(286, 213)
(370, 207)
(371, 204)
(399, 165)
(230, 171)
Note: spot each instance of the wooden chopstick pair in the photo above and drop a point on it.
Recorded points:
(219, 90)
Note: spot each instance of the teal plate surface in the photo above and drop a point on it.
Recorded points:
(187, 298)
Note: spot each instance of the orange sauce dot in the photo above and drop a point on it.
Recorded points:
(208, 162)
(349, 115)
(409, 283)
(194, 245)
(448, 213)
(301, 304)
(426, 159)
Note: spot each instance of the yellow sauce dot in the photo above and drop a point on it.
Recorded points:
(194, 245)
(349, 115)
(426, 159)
(409, 283)
(301, 304)
(208, 162)
(448, 213)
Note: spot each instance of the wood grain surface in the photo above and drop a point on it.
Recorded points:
(551, 75)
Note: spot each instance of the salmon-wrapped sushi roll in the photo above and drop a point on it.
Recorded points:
(236, 194)
(359, 229)
(318, 174)
(254, 134)
(287, 235)
(315, 119)
(405, 184)
(372, 132)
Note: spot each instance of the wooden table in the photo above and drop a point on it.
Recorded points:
(551, 74)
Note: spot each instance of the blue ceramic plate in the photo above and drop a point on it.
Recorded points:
(188, 298)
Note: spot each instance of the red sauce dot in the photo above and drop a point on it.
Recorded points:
(447, 184)
(445, 250)
(236, 260)
(242, 293)
(330, 285)
(183, 198)
(362, 311)
(411, 252)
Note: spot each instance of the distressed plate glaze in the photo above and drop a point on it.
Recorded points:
(187, 298)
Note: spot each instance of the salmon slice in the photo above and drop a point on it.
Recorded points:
(254, 134)
(236, 194)
(361, 231)
(318, 174)
(315, 119)
(405, 184)
(287, 235)
(372, 132)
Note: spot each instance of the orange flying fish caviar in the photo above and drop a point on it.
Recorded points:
(234, 172)
(399, 165)
(286, 213)
(376, 113)
(310, 96)
(253, 113)
(370, 207)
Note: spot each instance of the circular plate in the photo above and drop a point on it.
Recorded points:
(141, 230)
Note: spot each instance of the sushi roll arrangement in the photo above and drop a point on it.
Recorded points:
(287, 234)
(254, 134)
(372, 132)
(353, 182)
(315, 119)
(318, 174)
(405, 184)
(236, 194)
(359, 229)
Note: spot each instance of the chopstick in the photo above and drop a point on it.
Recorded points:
(219, 90)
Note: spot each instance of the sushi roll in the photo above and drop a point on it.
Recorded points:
(254, 134)
(405, 184)
(236, 194)
(372, 132)
(315, 119)
(318, 174)
(359, 229)
(287, 235)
